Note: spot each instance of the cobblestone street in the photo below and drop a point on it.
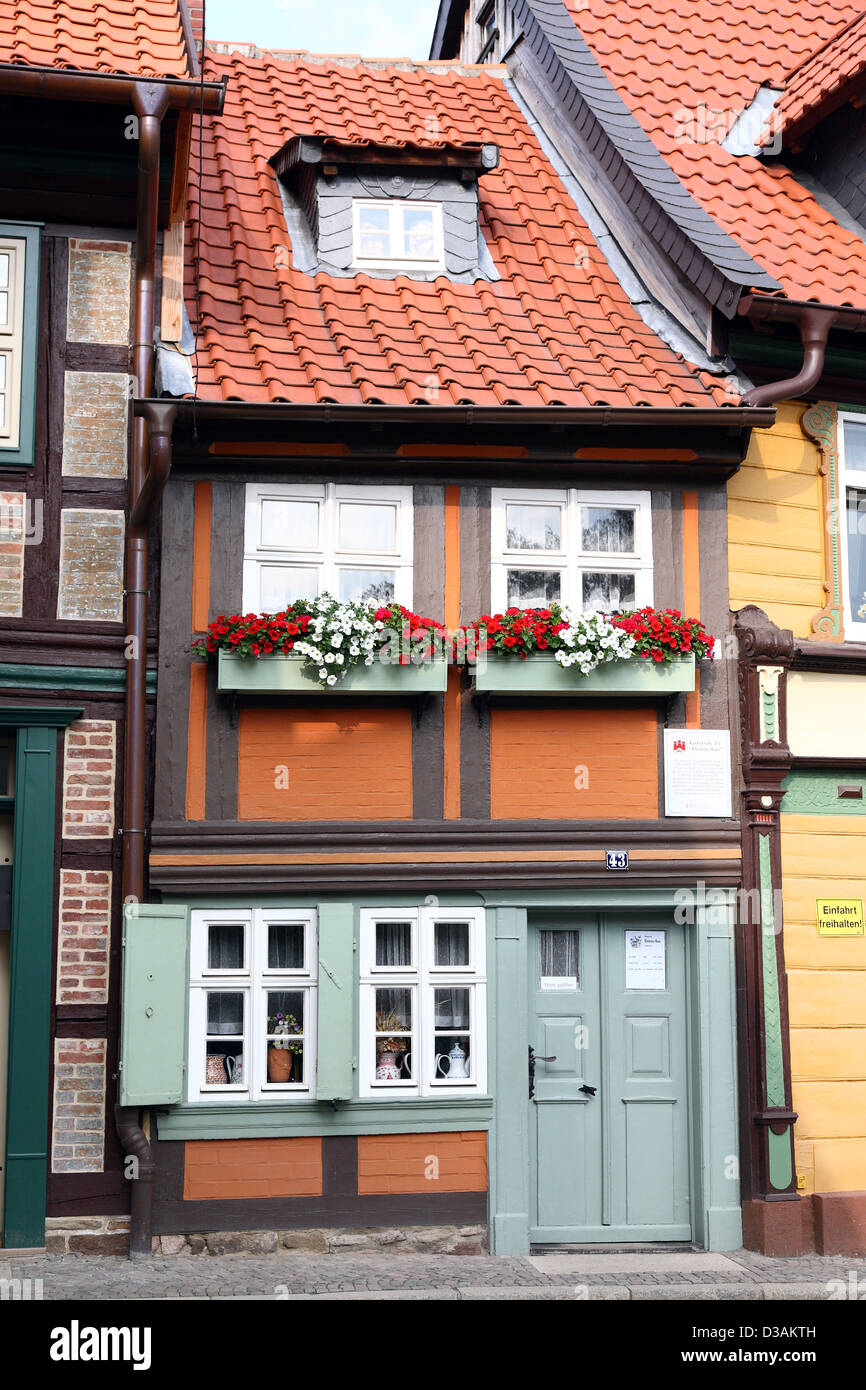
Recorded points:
(620, 1274)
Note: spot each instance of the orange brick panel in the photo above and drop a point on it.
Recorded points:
(325, 764)
(574, 764)
(227, 1169)
(395, 1163)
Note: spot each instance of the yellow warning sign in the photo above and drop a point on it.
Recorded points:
(840, 916)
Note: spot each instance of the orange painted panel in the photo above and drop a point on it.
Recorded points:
(203, 506)
(196, 746)
(349, 763)
(574, 763)
(226, 1169)
(393, 1163)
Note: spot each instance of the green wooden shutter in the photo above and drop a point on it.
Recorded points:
(153, 1023)
(335, 1051)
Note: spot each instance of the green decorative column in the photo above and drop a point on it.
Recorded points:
(28, 1102)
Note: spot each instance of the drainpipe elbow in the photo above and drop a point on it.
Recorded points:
(814, 325)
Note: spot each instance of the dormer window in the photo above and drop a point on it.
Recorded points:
(488, 33)
(397, 234)
(386, 210)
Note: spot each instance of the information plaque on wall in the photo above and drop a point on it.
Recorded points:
(839, 916)
(697, 772)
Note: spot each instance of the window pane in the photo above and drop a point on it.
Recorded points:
(225, 1014)
(2, 412)
(533, 588)
(394, 943)
(367, 527)
(855, 444)
(285, 945)
(532, 527)
(609, 529)
(4, 307)
(285, 1027)
(282, 584)
(393, 1034)
(558, 951)
(451, 943)
(375, 237)
(606, 593)
(367, 586)
(856, 523)
(225, 946)
(2, 371)
(452, 1057)
(290, 524)
(451, 1008)
(224, 1063)
(4, 270)
(418, 234)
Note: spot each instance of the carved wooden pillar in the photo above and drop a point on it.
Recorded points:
(771, 1212)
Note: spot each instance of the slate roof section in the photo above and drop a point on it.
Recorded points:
(138, 38)
(823, 81)
(589, 96)
(686, 69)
(557, 328)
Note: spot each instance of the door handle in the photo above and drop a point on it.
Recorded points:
(532, 1060)
(588, 1090)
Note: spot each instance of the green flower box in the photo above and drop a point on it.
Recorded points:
(285, 675)
(543, 675)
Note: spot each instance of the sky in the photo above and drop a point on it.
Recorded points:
(374, 28)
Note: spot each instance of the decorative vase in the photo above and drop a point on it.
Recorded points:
(388, 1066)
(279, 1064)
(215, 1070)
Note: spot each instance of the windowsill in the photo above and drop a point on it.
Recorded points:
(273, 1119)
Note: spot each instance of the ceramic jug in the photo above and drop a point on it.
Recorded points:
(456, 1059)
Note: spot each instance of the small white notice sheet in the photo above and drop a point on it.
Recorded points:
(697, 772)
(645, 960)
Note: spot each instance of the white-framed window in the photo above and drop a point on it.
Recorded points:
(852, 523)
(304, 539)
(12, 255)
(397, 233)
(252, 1009)
(591, 550)
(423, 1002)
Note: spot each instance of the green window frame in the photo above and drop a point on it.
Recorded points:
(21, 455)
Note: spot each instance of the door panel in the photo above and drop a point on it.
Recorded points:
(613, 1166)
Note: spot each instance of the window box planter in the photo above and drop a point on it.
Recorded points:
(284, 675)
(543, 675)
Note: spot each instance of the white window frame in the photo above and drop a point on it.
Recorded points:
(253, 982)
(855, 628)
(395, 207)
(570, 559)
(423, 979)
(325, 560)
(11, 342)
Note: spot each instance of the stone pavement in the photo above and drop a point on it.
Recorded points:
(616, 1274)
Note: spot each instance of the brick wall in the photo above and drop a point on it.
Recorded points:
(78, 1138)
(97, 306)
(91, 565)
(88, 779)
(85, 929)
(11, 553)
(95, 424)
(394, 1163)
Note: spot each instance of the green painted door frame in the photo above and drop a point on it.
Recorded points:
(707, 919)
(28, 1100)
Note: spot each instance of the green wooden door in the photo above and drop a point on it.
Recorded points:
(607, 1000)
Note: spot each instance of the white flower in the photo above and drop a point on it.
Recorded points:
(332, 680)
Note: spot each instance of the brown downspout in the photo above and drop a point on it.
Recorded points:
(145, 485)
(814, 323)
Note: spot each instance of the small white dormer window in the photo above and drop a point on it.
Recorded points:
(396, 233)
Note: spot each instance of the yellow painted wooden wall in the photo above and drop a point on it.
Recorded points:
(827, 1001)
(775, 535)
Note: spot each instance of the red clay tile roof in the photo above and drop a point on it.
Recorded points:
(812, 85)
(140, 38)
(556, 328)
(686, 68)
